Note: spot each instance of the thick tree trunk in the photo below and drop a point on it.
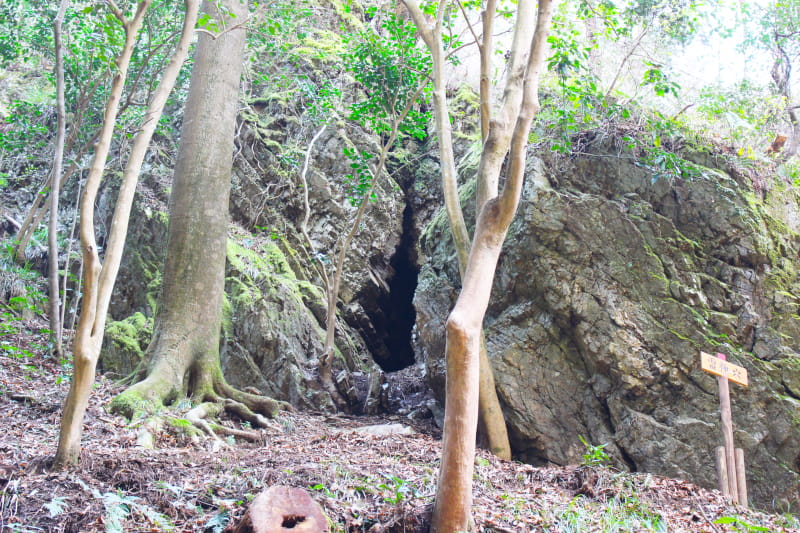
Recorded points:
(187, 329)
(184, 352)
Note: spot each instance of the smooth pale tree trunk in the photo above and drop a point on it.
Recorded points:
(184, 352)
(506, 139)
(100, 277)
(58, 163)
(491, 419)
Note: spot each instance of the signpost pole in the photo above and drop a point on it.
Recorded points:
(741, 477)
(730, 462)
(727, 433)
(722, 471)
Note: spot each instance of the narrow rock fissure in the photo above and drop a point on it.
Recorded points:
(396, 305)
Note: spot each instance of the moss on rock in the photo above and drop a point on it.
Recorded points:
(125, 342)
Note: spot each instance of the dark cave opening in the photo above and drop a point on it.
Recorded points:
(398, 303)
(391, 308)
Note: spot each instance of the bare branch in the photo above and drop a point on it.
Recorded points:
(428, 33)
(501, 127)
(625, 59)
(530, 106)
(217, 35)
(486, 49)
(116, 11)
(469, 25)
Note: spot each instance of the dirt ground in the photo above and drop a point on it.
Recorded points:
(364, 482)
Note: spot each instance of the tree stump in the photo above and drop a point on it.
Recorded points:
(283, 509)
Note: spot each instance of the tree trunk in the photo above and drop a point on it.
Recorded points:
(55, 311)
(505, 144)
(454, 492)
(782, 76)
(493, 424)
(184, 352)
(100, 278)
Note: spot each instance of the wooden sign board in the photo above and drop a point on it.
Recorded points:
(721, 367)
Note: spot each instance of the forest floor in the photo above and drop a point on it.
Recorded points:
(364, 482)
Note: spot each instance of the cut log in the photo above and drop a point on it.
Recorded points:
(282, 509)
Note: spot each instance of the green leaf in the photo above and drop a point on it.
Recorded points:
(56, 506)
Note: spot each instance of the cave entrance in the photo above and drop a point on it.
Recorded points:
(391, 308)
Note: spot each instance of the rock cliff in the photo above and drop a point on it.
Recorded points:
(611, 282)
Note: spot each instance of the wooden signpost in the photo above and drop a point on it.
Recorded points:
(730, 461)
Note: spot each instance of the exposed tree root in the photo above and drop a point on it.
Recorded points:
(147, 399)
(262, 405)
(243, 412)
(206, 410)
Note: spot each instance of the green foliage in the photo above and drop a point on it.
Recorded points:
(790, 171)
(621, 514)
(739, 524)
(595, 454)
(218, 522)
(21, 285)
(25, 26)
(396, 490)
(568, 54)
(391, 67)
(274, 40)
(582, 105)
(26, 128)
(93, 38)
(118, 506)
(358, 182)
(56, 506)
(656, 77)
(323, 489)
(745, 114)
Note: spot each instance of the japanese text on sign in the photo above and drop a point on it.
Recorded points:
(723, 368)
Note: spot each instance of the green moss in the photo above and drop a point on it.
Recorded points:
(133, 406)
(311, 293)
(323, 46)
(162, 217)
(685, 338)
(227, 316)
(438, 224)
(684, 243)
(264, 272)
(783, 276)
(466, 97)
(152, 290)
(152, 277)
(126, 341)
(344, 11)
(241, 293)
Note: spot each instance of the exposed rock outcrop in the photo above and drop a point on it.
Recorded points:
(275, 298)
(610, 284)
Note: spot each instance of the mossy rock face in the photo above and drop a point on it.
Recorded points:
(139, 281)
(610, 284)
(124, 344)
(275, 330)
